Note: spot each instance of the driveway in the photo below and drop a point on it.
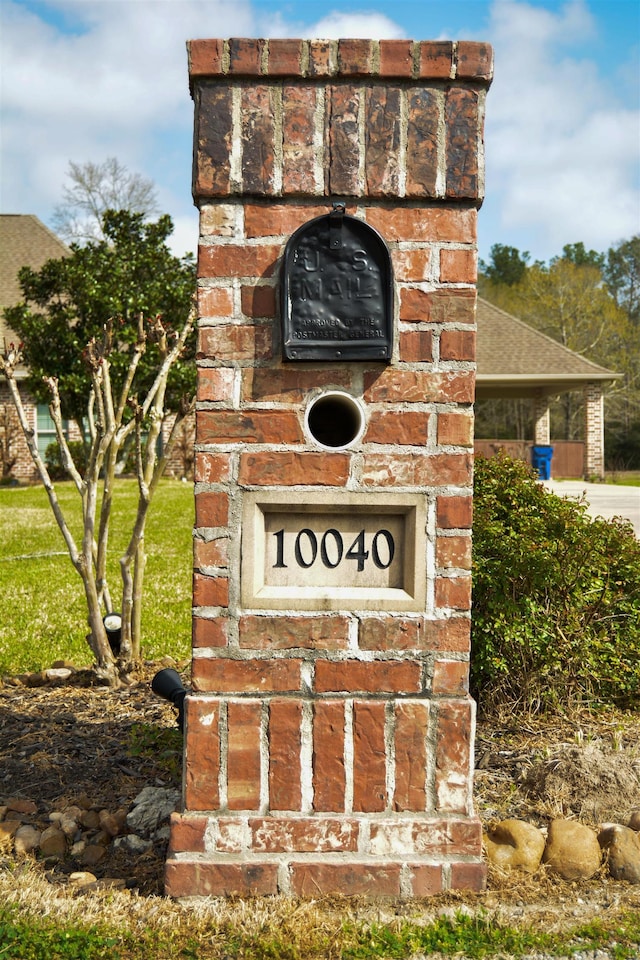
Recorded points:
(604, 499)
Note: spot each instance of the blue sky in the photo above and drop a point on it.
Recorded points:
(88, 79)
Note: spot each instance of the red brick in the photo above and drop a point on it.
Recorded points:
(458, 345)
(215, 302)
(215, 384)
(453, 306)
(245, 56)
(212, 509)
(355, 57)
(321, 58)
(415, 304)
(474, 61)
(212, 468)
(317, 879)
(411, 265)
(453, 552)
(454, 513)
(458, 266)
(205, 57)
(258, 139)
(462, 135)
(290, 384)
(285, 717)
(450, 678)
(328, 756)
(277, 219)
(369, 757)
(391, 633)
(468, 876)
(426, 837)
(412, 721)
(202, 751)
(187, 834)
(453, 755)
(284, 58)
(298, 138)
(290, 633)
(210, 591)
(209, 632)
(433, 224)
(377, 676)
(228, 341)
(418, 386)
(258, 301)
(453, 592)
(344, 143)
(452, 634)
(210, 553)
(416, 346)
(423, 127)
(436, 59)
(223, 675)
(213, 133)
(415, 470)
(247, 426)
(304, 835)
(455, 429)
(284, 468)
(397, 427)
(396, 58)
(187, 878)
(233, 260)
(243, 763)
(426, 879)
(382, 141)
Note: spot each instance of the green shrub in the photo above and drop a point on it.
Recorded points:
(53, 459)
(556, 597)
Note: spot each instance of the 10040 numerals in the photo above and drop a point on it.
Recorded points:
(329, 549)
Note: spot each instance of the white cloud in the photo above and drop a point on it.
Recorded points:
(373, 26)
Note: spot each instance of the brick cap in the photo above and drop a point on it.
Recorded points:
(315, 59)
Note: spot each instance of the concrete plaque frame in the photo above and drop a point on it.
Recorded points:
(333, 550)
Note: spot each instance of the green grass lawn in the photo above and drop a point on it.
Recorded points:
(44, 611)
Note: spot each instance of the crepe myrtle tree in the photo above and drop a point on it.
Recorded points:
(112, 417)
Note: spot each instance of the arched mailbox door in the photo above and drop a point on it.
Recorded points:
(337, 291)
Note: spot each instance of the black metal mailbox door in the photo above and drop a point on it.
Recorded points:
(337, 291)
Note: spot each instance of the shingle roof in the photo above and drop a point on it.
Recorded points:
(515, 358)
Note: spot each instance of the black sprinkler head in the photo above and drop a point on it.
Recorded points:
(113, 628)
(168, 685)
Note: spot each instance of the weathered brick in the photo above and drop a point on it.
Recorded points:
(290, 384)
(355, 57)
(462, 129)
(290, 633)
(415, 304)
(419, 386)
(453, 755)
(458, 345)
(213, 135)
(450, 678)
(396, 58)
(328, 756)
(321, 58)
(210, 553)
(453, 306)
(205, 57)
(425, 837)
(304, 835)
(423, 126)
(212, 467)
(474, 61)
(248, 426)
(344, 142)
(212, 509)
(412, 265)
(187, 833)
(246, 341)
(468, 876)
(377, 676)
(452, 634)
(426, 879)
(404, 633)
(258, 140)
(285, 468)
(285, 58)
(416, 470)
(454, 512)
(284, 754)
(314, 879)
(188, 878)
(245, 56)
(382, 141)
(219, 219)
(202, 750)
(233, 260)
(416, 346)
(369, 757)
(215, 384)
(243, 763)
(458, 266)
(278, 219)
(436, 59)
(258, 301)
(412, 720)
(209, 632)
(298, 138)
(453, 552)
(397, 427)
(455, 429)
(434, 223)
(222, 675)
(210, 591)
(453, 592)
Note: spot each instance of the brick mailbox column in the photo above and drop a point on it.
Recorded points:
(329, 733)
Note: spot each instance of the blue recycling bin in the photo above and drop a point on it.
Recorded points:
(541, 461)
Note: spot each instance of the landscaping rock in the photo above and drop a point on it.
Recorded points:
(572, 850)
(27, 839)
(82, 878)
(133, 843)
(515, 843)
(8, 829)
(622, 847)
(634, 820)
(53, 843)
(93, 854)
(151, 807)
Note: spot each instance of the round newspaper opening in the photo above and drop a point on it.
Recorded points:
(335, 420)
